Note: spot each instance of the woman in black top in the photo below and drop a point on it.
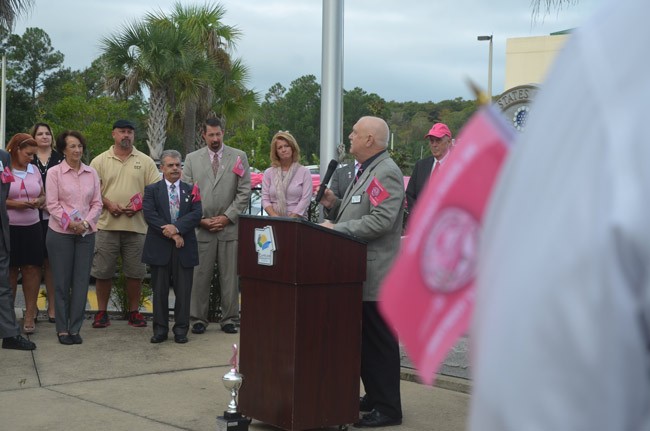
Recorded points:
(46, 157)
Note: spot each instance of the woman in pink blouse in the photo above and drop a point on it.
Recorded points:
(74, 202)
(287, 185)
(25, 198)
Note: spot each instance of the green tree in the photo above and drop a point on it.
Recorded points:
(296, 110)
(358, 103)
(150, 55)
(67, 102)
(32, 59)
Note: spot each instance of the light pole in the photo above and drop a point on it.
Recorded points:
(489, 89)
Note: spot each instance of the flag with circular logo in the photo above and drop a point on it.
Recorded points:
(428, 295)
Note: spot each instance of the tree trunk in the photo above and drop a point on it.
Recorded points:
(189, 126)
(157, 122)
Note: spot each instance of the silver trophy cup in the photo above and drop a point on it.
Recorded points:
(232, 380)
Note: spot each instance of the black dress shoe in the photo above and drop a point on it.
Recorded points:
(376, 419)
(198, 328)
(17, 343)
(158, 339)
(65, 339)
(76, 338)
(229, 328)
(364, 404)
(181, 339)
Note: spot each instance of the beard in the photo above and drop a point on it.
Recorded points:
(125, 144)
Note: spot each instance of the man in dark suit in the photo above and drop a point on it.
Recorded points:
(372, 209)
(172, 212)
(9, 329)
(439, 142)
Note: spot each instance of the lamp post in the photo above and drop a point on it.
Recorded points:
(489, 89)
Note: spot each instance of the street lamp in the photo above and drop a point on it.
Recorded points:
(489, 89)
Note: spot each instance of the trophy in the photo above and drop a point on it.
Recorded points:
(232, 420)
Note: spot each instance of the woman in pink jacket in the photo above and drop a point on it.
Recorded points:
(287, 185)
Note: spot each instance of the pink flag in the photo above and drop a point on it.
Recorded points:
(196, 193)
(7, 176)
(65, 220)
(428, 295)
(136, 202)
(376, 192)
(239, 167)
(233, 360)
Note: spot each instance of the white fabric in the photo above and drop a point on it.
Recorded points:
(560, 331)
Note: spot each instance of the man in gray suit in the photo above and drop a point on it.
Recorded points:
(339, 183)
(224, 180)
(372, 209)
(9, 329)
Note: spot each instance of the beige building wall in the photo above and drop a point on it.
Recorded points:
(529, 58)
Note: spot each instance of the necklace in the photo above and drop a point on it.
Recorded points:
(42, 168)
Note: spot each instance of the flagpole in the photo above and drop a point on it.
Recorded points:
(3, 102)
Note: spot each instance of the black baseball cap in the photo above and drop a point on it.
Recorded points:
(123, 124)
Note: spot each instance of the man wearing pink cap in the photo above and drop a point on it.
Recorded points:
(439, 142)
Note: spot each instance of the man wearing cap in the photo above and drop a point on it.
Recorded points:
(123, 172)
(439, 142)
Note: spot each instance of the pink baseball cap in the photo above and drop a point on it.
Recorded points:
(439, 130)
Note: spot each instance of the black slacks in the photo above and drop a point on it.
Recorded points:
(180, 279)
(380, 362)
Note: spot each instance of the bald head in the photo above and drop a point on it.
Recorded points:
(369, 136)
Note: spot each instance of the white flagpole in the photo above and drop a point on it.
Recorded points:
(3, 102)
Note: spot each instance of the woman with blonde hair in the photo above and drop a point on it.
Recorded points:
(287, 185)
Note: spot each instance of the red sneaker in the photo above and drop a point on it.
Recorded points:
(101, 320)
(136, 319)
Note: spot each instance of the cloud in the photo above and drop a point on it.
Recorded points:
(406, 50)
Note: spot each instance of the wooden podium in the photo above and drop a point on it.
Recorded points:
(300, 341)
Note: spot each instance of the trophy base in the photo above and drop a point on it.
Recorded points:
(232, 422)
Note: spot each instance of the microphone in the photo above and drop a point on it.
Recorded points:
(323, 185)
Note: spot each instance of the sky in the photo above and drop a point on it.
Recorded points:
(406, 50)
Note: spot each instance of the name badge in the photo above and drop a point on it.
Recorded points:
(356, 199)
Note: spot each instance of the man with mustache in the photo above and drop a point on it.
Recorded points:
(123, 172)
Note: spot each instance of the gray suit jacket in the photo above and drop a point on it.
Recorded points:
(380, 226)
(226, 194)
(341, 179)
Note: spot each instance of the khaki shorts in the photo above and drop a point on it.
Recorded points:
(109, 244)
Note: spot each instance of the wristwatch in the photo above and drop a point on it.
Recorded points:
(86, 225)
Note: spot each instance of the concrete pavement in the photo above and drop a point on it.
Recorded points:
(118, 380)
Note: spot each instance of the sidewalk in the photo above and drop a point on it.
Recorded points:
(118, 380)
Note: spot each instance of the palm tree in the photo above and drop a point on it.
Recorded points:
(147, 55)
(9, 11)
(203, 26)
(546, 6)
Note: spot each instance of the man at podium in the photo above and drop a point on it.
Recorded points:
(372, 209)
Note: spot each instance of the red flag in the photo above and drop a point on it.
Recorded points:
(239, 167)
(376, 192)
(23, 188)
(7, 176)
(196, 193)
(136, 202)
(65, 220)
(428, 295)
